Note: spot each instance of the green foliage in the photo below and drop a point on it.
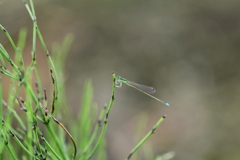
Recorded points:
(34, 132)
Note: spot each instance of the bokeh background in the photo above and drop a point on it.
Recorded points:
(188, 50)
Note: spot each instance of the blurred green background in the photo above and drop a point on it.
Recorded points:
(188, 50)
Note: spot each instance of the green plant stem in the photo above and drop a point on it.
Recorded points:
(9, 75)
(16, 49)
(32, 7)
(105, 120)
(22, 40)
(94, 134)
(49, 59)
(68, 133)
(35, 137)
(50, 129)
(49, 146)
(33, 17)
(30, 134)
(10, 106)
(7, 57)
(32, 94)
(39, 83)
(11, 151)
(20, 45)
(55, 137)
(20, 143)
(28, 9)
(1, 118)
(83, 118)
(31, 118)
(2, 49)
(146, 137)
(37, 31)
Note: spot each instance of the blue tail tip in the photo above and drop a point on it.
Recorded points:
(167, 104)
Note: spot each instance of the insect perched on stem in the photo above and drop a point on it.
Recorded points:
(142, 88)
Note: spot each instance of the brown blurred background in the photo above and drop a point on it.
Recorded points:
(188, 50)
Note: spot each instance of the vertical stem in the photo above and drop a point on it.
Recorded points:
(1, 118)
(49, 59)
(11, 151)
(106, 118)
